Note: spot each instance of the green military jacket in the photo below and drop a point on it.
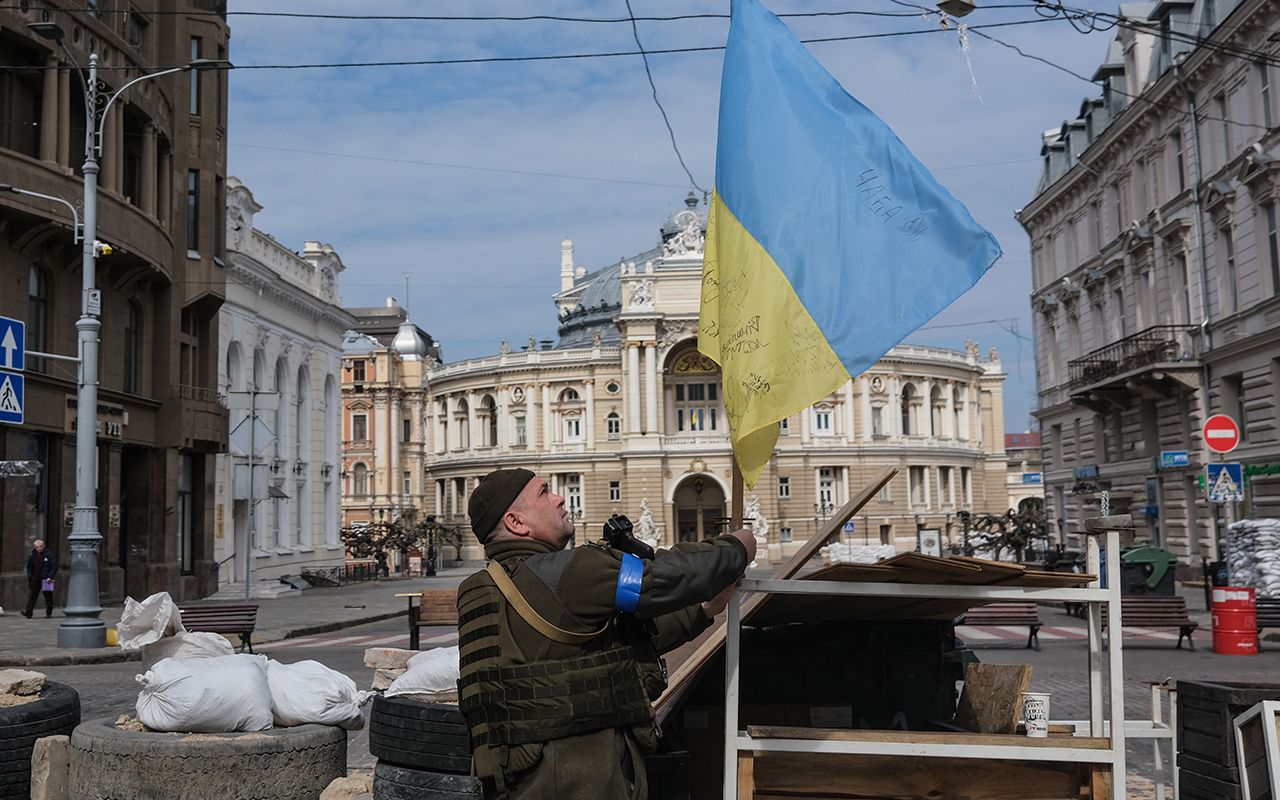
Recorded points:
(575, 590)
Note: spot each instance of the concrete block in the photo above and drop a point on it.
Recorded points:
(21, 682)
(51, 768)
(382, 678)
(388, 657)
(348, 788)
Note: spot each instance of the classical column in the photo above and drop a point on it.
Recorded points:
(49, 112)
(501, 425)
(926, 424)
(472, 440)
(64, 117)
(531, 416)
(589, 427)
(966, 427)
(447, 439)
(149, 172)
(164, 188)
(864, 405)
(393, 464)
(805, 414)
(928, 484)
(847, 391)
(633, 388)
(548, 419)
(651, 388)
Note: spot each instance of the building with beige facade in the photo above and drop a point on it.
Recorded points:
(159, 206)
(280, 347)
(623, 415)
(1156, 275)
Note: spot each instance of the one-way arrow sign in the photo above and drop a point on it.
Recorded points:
(12, 344)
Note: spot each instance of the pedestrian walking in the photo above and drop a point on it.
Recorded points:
(42, 565)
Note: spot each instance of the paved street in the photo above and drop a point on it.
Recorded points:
(1060, 669)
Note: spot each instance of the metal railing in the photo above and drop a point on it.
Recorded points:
(1155, 345)
(199, 394)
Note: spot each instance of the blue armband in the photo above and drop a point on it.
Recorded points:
(630, 574)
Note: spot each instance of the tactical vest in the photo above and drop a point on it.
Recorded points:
(512, 709)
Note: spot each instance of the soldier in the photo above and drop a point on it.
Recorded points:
(559, 648)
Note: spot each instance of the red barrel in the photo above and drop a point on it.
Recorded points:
(1235, 621)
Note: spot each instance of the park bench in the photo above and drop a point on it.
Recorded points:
(1268, 615)
(1013, 613)
(434, 607)
(1151, 611)
(233, 620)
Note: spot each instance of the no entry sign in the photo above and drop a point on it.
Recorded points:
(1221, 433)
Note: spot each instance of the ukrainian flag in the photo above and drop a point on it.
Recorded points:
(827, 241)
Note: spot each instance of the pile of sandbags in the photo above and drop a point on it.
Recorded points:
(1253, 555)
(429, 672)
(840, 553)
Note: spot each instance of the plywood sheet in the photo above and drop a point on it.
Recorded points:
(992, 697)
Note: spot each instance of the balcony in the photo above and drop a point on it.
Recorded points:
(1152, 364)
(202, 417)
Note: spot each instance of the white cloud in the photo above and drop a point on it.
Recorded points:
(465, 233)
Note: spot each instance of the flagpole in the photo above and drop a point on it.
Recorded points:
(735, 502)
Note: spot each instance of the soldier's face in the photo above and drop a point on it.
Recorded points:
(543, 513)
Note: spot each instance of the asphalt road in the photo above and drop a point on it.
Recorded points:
(108, 690)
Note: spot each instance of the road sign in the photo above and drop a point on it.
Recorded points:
(1224, 482)
(13, 344)
(1172, 459)
(251, 428)
(1032, 478)
(1221, 433)
(848, 527)
(11, 397)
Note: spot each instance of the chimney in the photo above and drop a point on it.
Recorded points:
(566, 265)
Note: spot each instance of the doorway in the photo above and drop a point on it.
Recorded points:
(698, 508)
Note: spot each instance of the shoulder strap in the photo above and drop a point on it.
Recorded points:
(529, 615)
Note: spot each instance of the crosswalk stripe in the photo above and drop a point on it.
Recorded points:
(971, 632)
(1150, 634)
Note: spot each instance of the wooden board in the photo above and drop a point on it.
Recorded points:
(920, 737)
(714, 637)
(992, 697)
(839, 776)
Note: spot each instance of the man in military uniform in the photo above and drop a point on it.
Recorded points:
(559, 648)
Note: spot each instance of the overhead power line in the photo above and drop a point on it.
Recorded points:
(474, 18)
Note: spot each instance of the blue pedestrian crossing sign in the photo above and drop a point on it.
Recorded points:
(11, 397)
(13, 344)
(1224, 482)
(848, 527)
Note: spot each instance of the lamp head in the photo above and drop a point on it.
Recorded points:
(201, 64)
(47, 30)
(4, 187)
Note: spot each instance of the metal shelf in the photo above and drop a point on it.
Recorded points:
(1109, 750)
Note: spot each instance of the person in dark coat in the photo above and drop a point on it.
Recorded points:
(42, 565)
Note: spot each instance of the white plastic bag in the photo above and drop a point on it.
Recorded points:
(224, 694)
(149, 621)
(186, 644)
(429, 672)
(308, 691)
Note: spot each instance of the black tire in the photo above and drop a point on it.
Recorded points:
(419, 735)
(400, 783)
(281, 763)
(56, 713)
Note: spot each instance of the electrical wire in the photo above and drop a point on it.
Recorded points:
(473, 18)
(635, 31)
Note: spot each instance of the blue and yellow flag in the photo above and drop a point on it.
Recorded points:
(827, 241)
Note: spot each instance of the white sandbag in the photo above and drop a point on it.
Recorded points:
(429, 672)
(308, 691)
(186, 644)
(149, 621)
(225, 694)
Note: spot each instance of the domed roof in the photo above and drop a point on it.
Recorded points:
(680, 220)
(409, 343)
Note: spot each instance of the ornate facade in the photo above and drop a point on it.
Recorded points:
(1156, 275)
(280, 344)
(159, 206)
(623, 415)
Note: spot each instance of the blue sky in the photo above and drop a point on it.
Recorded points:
(423, 169)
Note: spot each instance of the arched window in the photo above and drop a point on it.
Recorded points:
(908, 400)
(37, 315)
(464, 426)
(935, 411)
(360, 474)
(569, 396)
(613, 426)
(490, 408)
(955, 411)
(442, 414)
(133, 347)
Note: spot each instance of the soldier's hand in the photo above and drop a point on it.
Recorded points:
(748, 541)
(717, 604)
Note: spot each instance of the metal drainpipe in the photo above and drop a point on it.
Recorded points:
(1204, 280)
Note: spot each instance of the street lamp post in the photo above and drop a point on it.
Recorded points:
(81, 626)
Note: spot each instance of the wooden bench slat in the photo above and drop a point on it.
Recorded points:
(238, 619)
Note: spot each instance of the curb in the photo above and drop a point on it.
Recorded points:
(53, 657)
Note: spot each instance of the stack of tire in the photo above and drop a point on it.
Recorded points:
(55, 713)
(423, 750)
